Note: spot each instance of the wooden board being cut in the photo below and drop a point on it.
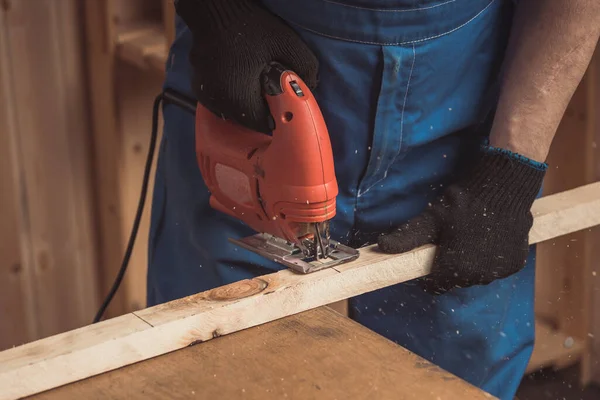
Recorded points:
(316, 354)
(151, 332)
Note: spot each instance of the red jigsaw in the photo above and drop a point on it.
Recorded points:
(283, 185)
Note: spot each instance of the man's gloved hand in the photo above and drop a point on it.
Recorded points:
(480, 224)
(233, 42)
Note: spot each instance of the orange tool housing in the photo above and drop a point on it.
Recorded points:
(275, 184)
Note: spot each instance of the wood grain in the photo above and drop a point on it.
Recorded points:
(16, 299)
(125, 46)
(591, 361)
(135, 96)
(314, 355)
(100, 57)
(248, 303)
(50, 162)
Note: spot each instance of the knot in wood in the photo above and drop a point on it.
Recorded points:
(238, 290)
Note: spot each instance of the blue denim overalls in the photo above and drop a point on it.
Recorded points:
(408, 89)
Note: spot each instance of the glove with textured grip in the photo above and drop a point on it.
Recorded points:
(480, 225)
(233, 42)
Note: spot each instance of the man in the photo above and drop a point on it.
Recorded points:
(441, 115)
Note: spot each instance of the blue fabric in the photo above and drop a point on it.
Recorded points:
(408, 89)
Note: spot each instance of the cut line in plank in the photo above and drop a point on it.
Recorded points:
(135, 337)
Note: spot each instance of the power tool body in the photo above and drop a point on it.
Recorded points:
(281, 185)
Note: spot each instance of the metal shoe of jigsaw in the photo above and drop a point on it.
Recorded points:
(282, 186)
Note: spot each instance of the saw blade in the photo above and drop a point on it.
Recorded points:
(293, 257)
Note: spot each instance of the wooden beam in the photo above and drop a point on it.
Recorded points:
(135, 95)
(127, 51)
(100, 48)
(138, 336)
(591, 357)
(168, 14)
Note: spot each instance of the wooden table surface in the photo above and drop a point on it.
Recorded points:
(317, 354)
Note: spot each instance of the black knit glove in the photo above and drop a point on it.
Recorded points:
(480, 224)
(233, 42)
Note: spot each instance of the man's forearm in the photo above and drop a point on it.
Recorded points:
(550, 48)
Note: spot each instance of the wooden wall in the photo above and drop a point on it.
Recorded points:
(47, 234)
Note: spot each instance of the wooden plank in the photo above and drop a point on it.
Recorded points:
(122, 33)
(139, 44)
(554, 348)
(249, 303)
(100, 48)
(168, 15)
(591, 358)
(316, 354)
(54, 179)
(16, 297)
(136, 91)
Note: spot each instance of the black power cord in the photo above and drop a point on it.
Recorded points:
(186, 103)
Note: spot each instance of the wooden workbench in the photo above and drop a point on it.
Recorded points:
(315, 354)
